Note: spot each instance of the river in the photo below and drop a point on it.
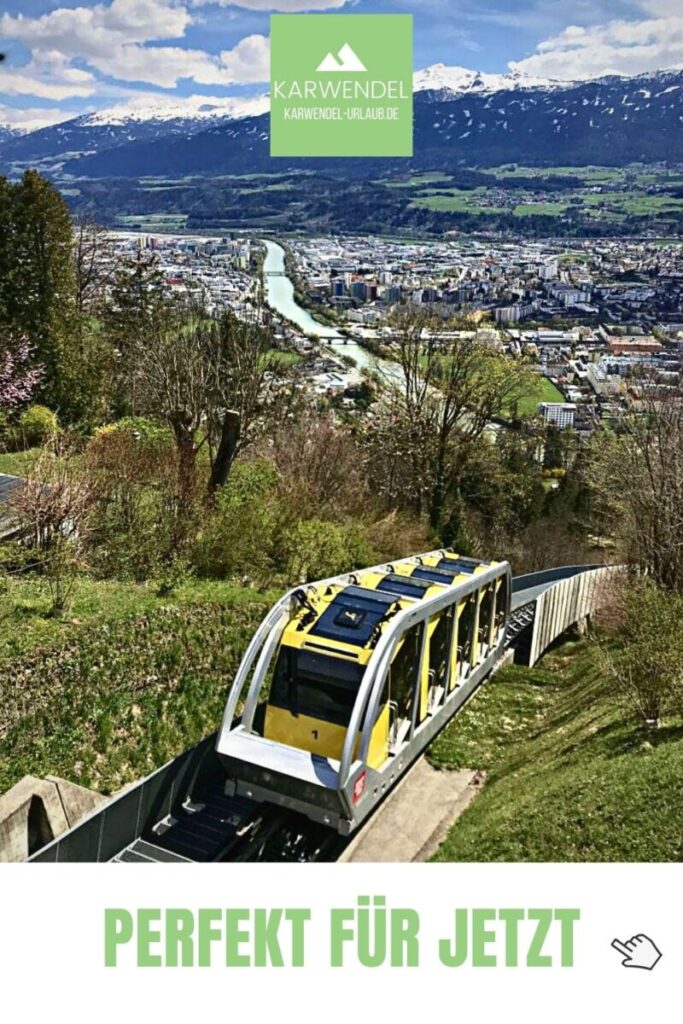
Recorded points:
(279, 292)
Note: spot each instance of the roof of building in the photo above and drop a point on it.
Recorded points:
(8, 484)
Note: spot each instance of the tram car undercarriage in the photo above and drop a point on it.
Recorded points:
(348, 680)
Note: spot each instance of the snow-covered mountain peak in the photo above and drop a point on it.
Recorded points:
(170, 108)
(451, 78)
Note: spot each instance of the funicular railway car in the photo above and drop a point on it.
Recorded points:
(347, 681)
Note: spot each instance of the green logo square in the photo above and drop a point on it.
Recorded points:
(341, 85)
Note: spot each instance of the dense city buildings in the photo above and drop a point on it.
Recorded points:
(595, 317)
(601, 322)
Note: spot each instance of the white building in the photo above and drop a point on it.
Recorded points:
(560, 414)
(548, 269)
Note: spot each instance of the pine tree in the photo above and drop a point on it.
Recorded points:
(37, 280)
(45, 280)
(137, 300)
(7, 261)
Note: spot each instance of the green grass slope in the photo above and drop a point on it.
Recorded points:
(124, 683)
(572, 774)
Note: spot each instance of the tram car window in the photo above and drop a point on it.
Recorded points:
(405, 671)
(440, 648)
(501, 592)
(485, 620)
(466, 619)
(310, 684)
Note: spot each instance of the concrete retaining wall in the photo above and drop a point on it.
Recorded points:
(36, 811)
(124, 817)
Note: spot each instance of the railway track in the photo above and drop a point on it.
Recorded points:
(210, 827)
(181, 814)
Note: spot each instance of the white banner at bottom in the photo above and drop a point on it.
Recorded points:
(528, 943)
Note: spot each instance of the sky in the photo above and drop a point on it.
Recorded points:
(66, 57)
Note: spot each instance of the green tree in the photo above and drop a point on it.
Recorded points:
(559, 447)
(138, 303)
(7, 256)
(502, 490)
(37, 288)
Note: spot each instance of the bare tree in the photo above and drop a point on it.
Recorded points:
(240, 394)
(320, 468)
(637, 478)
(93, 254)
(207, 378)
(450, 389)
(53, 507)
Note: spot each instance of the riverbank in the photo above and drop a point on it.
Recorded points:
(280, 295)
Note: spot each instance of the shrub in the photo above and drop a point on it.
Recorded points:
(140, 428)
(397, 535)
(321, 471)
(5, 430)
(315, 549)
(173, 575)
(52, 509)
(17, 558)
(37, 425)
(133, 470)
(646, 669)
(237, 536)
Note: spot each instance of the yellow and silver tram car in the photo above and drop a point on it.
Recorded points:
(347, 680)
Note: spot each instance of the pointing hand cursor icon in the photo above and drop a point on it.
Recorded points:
(638, 952)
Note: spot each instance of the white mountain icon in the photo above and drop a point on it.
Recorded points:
(348, 61)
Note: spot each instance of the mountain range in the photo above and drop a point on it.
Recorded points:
(462, 117)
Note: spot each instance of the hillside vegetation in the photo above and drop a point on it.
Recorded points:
(127, 682)
(572, 776)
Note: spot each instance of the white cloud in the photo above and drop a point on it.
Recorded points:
(112, 39)
(89, 32)
(24, 85)
(660, 8)
(285, 6)
(249, 61)
(164, 66)
(31, 118)
(617, 47)
(49, 76)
